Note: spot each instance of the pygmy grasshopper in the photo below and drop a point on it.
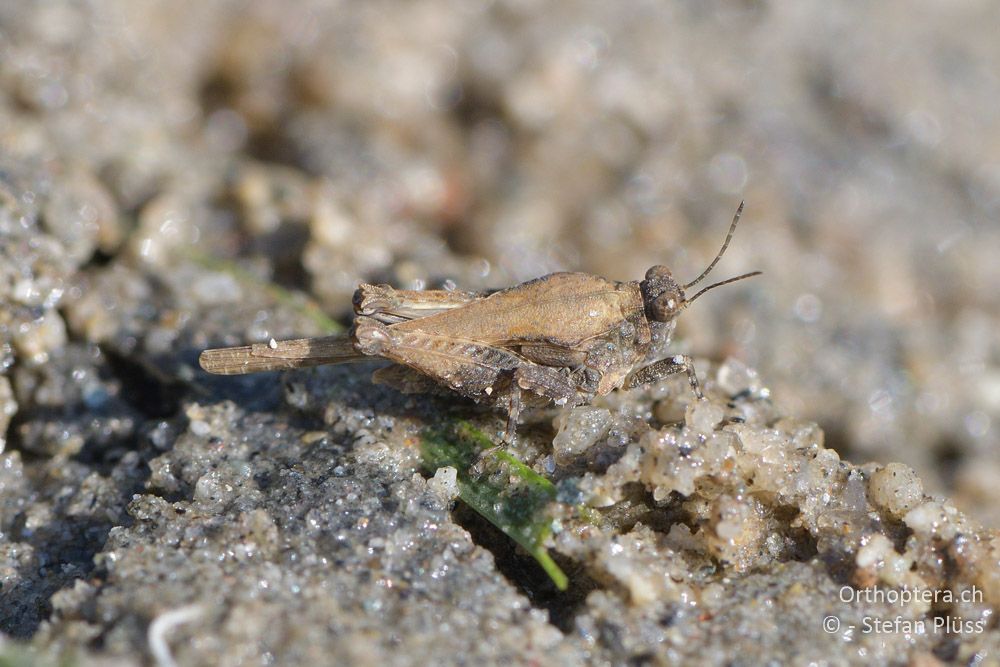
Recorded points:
(564, 338)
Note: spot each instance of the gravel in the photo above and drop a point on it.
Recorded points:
(180, 175)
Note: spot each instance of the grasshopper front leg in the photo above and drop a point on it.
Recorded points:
(679, 363)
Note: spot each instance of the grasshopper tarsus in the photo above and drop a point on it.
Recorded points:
(564, 337)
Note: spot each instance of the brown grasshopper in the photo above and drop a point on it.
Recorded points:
(564, 338)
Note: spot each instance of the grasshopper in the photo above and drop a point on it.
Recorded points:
(562, 338)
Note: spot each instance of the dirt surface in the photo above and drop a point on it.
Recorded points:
(180, 175)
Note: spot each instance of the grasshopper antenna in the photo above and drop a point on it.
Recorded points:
(729, 237)
(720, 284)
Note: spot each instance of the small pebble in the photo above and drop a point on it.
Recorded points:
(896, 488)
(445, 482)
(579, 429)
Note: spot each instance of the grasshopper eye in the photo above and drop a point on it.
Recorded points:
(666, 306)
(663, 297)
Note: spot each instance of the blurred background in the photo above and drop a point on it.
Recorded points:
(439, 142)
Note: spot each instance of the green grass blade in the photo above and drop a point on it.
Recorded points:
(512, 497)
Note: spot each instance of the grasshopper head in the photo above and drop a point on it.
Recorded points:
(662, 296)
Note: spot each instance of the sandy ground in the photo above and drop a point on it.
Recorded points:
(150, 512)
